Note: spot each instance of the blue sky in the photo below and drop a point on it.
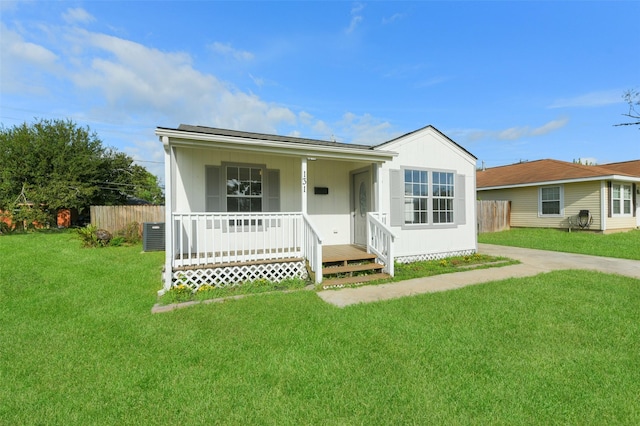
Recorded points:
(508, 80)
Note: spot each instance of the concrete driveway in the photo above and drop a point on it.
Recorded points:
(534, 262)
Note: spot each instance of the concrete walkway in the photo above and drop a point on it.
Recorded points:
(534, 262)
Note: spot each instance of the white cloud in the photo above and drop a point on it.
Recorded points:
(305, 117)
(433, 81)
(257, 80)
(593, 99)
(138, 87)
(550, 127)
(77, 15)
(23, 62)
(227, 50)
(136, 80)
(321, 128)
(393, 18)
(515, 133)
(365, 129)
(356, 17)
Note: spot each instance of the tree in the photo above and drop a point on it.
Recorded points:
(53, 164)
(632, 98)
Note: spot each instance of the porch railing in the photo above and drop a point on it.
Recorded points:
(218, 238)
(380, 240)
(312, 248)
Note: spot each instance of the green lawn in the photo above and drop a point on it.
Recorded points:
(78, 345)
(625, 245)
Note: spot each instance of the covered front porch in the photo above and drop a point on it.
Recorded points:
(244, 206)
(222, 248)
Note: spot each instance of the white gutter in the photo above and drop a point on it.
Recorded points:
(618, 178)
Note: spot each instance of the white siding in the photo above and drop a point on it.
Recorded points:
(331, 213)
(191, 162)
(429, 150)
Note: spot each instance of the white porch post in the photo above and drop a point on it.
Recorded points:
(304, 184)
(168, 209)
(376, 187)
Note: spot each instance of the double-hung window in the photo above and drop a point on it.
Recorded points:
(443, 196)
(244, 189)
(423, 198)
(416, 196)
(621, 199)
(550, 201)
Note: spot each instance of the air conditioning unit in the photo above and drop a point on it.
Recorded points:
(153, 236)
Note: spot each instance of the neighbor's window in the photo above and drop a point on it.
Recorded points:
(244, 189)
(416, 193)
(443, 197)
(621, 199)
(550, 200)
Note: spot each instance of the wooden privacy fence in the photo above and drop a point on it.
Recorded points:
(115, 218)
(493, 215)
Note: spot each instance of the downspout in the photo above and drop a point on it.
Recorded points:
(168, 210)
(303, 186)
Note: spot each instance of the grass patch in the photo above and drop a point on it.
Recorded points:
(624, 245)
(427, 268)
(184, 293)
(407, 271)
(79, 346)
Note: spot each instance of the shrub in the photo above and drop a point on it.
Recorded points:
(4, 228)
(88, 236)
(117, 241)
(130, 233)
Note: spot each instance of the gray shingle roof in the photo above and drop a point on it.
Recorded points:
(265, 136)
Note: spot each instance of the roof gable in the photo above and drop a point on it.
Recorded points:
(429, 128)
(630, 167)
(541, 171)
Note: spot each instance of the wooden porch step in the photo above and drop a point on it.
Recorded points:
(351, 268)
(332, 282)
(345, 253)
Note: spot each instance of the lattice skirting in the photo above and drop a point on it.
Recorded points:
(229, 275)
(433, 256)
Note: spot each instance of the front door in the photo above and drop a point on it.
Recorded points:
(361, 195)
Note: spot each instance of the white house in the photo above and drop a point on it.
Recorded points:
(243, 205)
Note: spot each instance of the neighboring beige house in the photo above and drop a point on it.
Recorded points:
(551, 194)
(243, 205)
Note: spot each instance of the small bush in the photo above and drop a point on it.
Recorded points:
(117, 241)
(4, 228)
(88, 236)
(130, 233)
(178, 293)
